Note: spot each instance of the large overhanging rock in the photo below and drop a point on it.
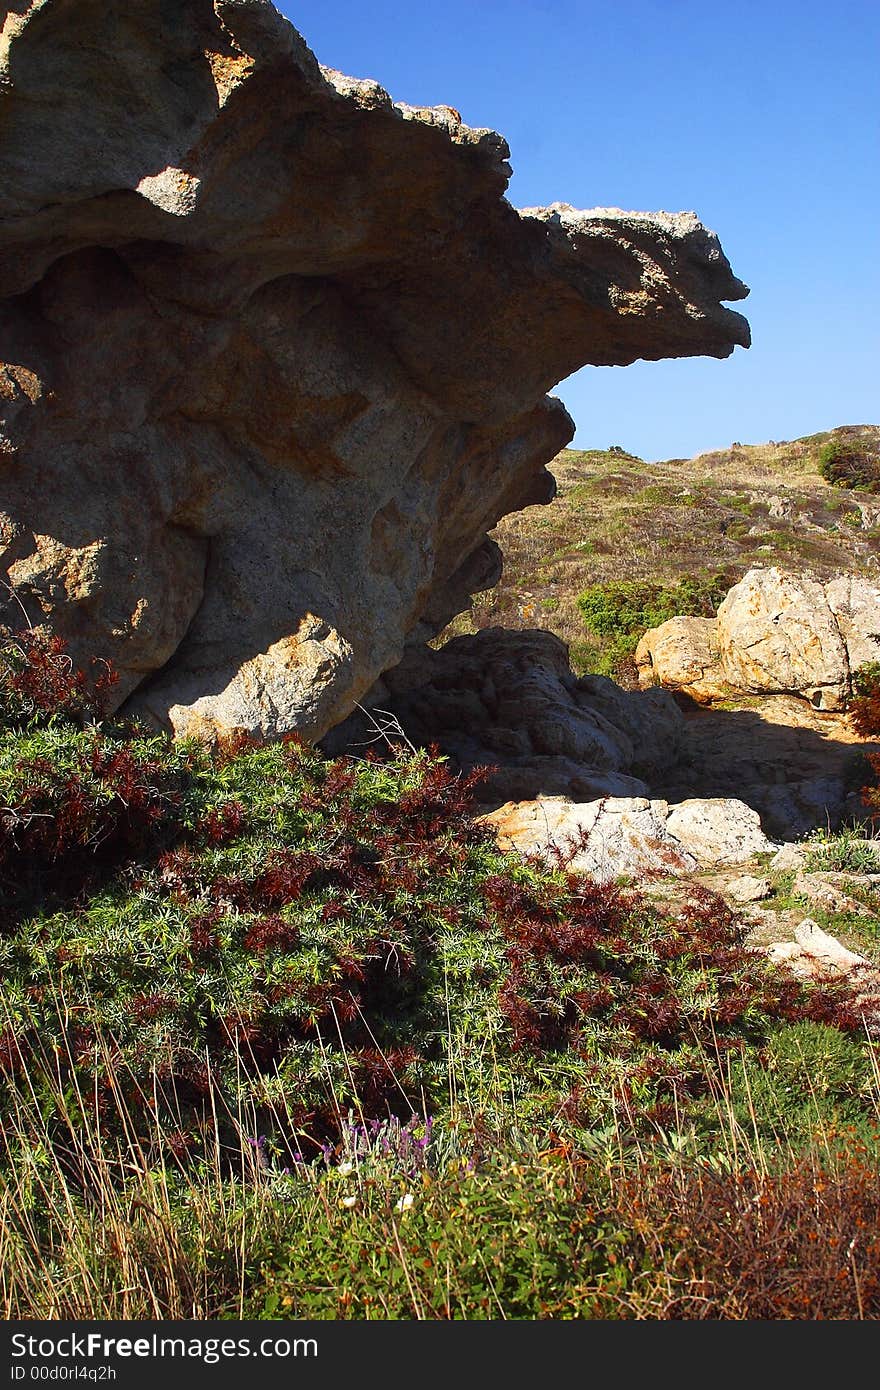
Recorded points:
(276, 352)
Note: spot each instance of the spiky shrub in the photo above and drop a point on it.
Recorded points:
(227, 962)
(38, 679)
(848, 462)
(620, 611)
(864, 708)
(78, 800)
(332, 934)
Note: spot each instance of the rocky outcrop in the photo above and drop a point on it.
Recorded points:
(775, 633)
(748, 888)
(816, 955)
(800, 767)
(683, 654)
(632, 836)
(275, 353)
(509, 699)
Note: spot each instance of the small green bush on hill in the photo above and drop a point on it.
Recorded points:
(622, 611)
(848, 462)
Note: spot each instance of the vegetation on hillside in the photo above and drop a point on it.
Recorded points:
(285, 1036)
(851, 459)
(618, 520)
(621, 611)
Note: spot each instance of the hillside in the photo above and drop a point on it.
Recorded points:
(711, 518)
(344, 975)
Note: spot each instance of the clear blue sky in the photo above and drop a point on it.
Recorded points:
(763, 118)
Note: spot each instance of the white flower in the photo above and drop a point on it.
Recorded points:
(405, 1202)
(346, 1168)
(350, 1200)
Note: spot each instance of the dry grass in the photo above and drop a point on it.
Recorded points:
(616, 517)
(93, 1228)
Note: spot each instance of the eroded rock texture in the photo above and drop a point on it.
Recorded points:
(775, 633)
(510, 701)
(275, 353)
(632, 835)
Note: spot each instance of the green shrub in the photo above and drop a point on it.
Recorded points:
(813, 1086)
(864, 709)
(848, 462)
(849, 850)
(620, 611)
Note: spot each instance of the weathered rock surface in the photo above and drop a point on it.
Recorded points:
(275, 352)
(828, 891)
(775, 633)
(856, 607)
(683, 654)
(718, 830)
(800, 767)
(784, 648)
(789, 856)
(748, 888)
(816, 954)
(510, 700)
(632, 835)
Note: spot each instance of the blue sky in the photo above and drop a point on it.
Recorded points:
(763, 118)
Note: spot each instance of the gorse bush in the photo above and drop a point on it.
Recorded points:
(849, 462)
(323, 935)
(621, 611)
(37, 677)
(227, 968)
(864, 705)
(864, 709)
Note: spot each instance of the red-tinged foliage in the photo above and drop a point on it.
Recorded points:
(229, 744)
(224, 824)
(13, 1052)
(67, 828)
(144, 1007)
(871, 793)
(203, 935)
(39, 675)
(439, 803)
(864, 710)
(268, 933)
(321, 919)
(748, 1245)
(580, 953)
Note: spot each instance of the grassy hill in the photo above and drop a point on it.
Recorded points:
(618, 519)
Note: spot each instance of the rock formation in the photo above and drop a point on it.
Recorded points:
(776, 633)
(275, 352)
(780, 656)
(510, 700)
(683, 654)
(633, 835)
